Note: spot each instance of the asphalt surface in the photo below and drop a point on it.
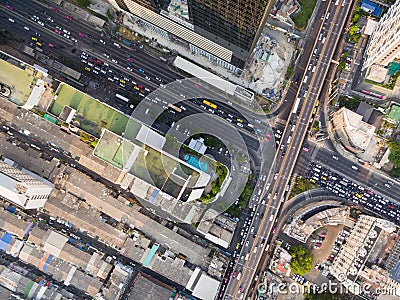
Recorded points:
(364, 175)
(68, 52)
(293, 136)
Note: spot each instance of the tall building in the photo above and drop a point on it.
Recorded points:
(22, 189)
(384, 43)
(224, 31)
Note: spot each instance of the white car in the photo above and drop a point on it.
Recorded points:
(239, 124)
(103, 42)
(106, 55)
(114, 61)
(26, 28)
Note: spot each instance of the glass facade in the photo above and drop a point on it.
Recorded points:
(233, 24)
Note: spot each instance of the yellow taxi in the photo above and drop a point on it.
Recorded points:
(34, 39)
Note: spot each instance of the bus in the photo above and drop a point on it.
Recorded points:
(122, 98)
(177, 109)
(210, 104)
(296, 106)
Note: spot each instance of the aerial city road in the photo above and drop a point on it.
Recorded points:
(199, 150)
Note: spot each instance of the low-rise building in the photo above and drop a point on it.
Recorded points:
(350, 265)
(301, 229)
(351, 130)
(21, 188)
(56, 244)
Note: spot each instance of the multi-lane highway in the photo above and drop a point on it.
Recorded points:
(40, 22)
(329, 29)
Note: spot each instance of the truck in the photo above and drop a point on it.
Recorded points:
(126, 42)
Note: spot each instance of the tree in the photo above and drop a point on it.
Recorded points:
(353, 29)
(394, 155)
(302, 260)
(342, 65)
(324, 296)
(289, 72)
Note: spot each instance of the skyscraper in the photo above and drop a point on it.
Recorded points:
(224, 31)
(384, 43)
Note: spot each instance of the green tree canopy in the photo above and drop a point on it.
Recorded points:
(302, 260)
(394, 155)
(353, 29)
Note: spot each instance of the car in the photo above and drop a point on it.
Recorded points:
(26, 28)
(335, 157)
(106, 55)
(129, 59)
(57, 31)
(117, 45)
(82, 35)
(163, 85)
(354, 167)
(306, 149)
(50, 19)
(66, 36)
(247, 243)
(114, 61)
(69, 18)
(34, 39)
(159, 79)
(148, 78)
(388, 185)
(54, 9)
(11, 20)
(196, 86)
(51, 45)
(141, 70)
(87, 69)
(9, 7)
(66, 31)
(103, 42)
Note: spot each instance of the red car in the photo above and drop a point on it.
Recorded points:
(57, 31)
(129, 59)
(69, 18)
(51, 45)
(54, 9)
(306, 149)
(9, 7)
(267, 137)
(81, 34)
(234, 274)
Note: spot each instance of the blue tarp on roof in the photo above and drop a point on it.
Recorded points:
(11, 209)
(371, 8)
(28, 229)
(48, 260)
(150, 255)
(153, 196)
(5, 241)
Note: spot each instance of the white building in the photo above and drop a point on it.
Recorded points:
(384, 43)
(21, 188)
